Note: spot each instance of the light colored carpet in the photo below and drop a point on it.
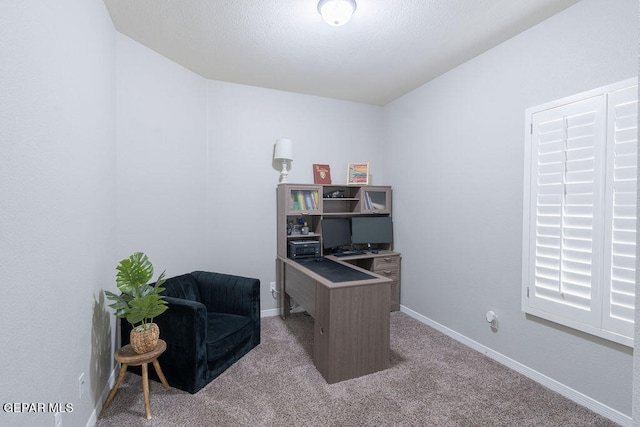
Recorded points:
(433, 381)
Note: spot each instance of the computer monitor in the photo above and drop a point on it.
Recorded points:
(335, 232)
(371, 230)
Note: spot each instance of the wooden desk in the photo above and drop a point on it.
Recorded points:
(351, 318)
(384, 263)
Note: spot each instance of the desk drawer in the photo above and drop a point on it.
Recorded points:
(391, 273)
(388, 266)
(386, 263)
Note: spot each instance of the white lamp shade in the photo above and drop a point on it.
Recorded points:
(336, 12)
(284, 149)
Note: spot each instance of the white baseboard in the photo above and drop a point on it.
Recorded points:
(568, 392)
(276, 312)
(269, 313)
(93, 419)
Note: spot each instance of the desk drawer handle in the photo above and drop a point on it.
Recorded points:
(387, 272)
(321, 331)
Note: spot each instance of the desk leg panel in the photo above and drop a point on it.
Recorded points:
(284, 302)
(301, 288)
(351, 331)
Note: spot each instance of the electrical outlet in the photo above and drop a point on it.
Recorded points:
(57, 419)
(80, 386)
(272, 286)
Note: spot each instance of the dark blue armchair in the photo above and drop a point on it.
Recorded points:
(212, 321)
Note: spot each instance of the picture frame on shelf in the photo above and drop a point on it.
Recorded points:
(321, 174)
(358, 173)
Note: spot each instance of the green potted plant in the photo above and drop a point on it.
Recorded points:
(139, 302)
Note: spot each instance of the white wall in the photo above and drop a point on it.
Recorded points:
(162, 160)
(458, 214)
(57, 193)
(196, 181)
(194, 172)
(244, 123)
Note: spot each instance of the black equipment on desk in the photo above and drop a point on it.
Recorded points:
(336, 233)
(303, 249)
(349, 253)
(371, 230)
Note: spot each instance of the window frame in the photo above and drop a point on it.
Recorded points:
(591, 320)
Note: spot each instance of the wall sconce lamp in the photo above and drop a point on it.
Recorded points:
(336, 12)
(284, 154)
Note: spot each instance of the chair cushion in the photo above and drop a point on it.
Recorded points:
(225, 332)
(183, 287)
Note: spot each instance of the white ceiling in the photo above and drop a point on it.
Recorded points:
(389, 47)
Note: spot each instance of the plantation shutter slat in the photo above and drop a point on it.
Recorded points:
(620, 222)
(566, 187)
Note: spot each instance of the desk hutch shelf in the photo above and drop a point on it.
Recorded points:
(305, 205)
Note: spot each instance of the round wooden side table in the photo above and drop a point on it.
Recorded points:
(128, 357)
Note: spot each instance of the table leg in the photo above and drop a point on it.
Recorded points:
(156, 365)
(123, 370)
(286, 306)
(145, 390)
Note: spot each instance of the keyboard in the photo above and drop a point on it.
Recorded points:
(349, 253)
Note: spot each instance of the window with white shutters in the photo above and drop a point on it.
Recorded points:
(620, 221)
(580, 211)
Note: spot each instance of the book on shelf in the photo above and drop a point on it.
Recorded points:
(308, 198)
(321, 174)
(304, 200)
(367, 201)
(372, 204)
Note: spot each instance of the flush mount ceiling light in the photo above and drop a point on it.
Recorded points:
(336, 12)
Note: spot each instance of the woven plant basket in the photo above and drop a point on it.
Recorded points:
(144, 340)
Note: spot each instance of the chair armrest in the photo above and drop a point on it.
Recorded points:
(225, 293)
(184, 328)
(184, 324)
